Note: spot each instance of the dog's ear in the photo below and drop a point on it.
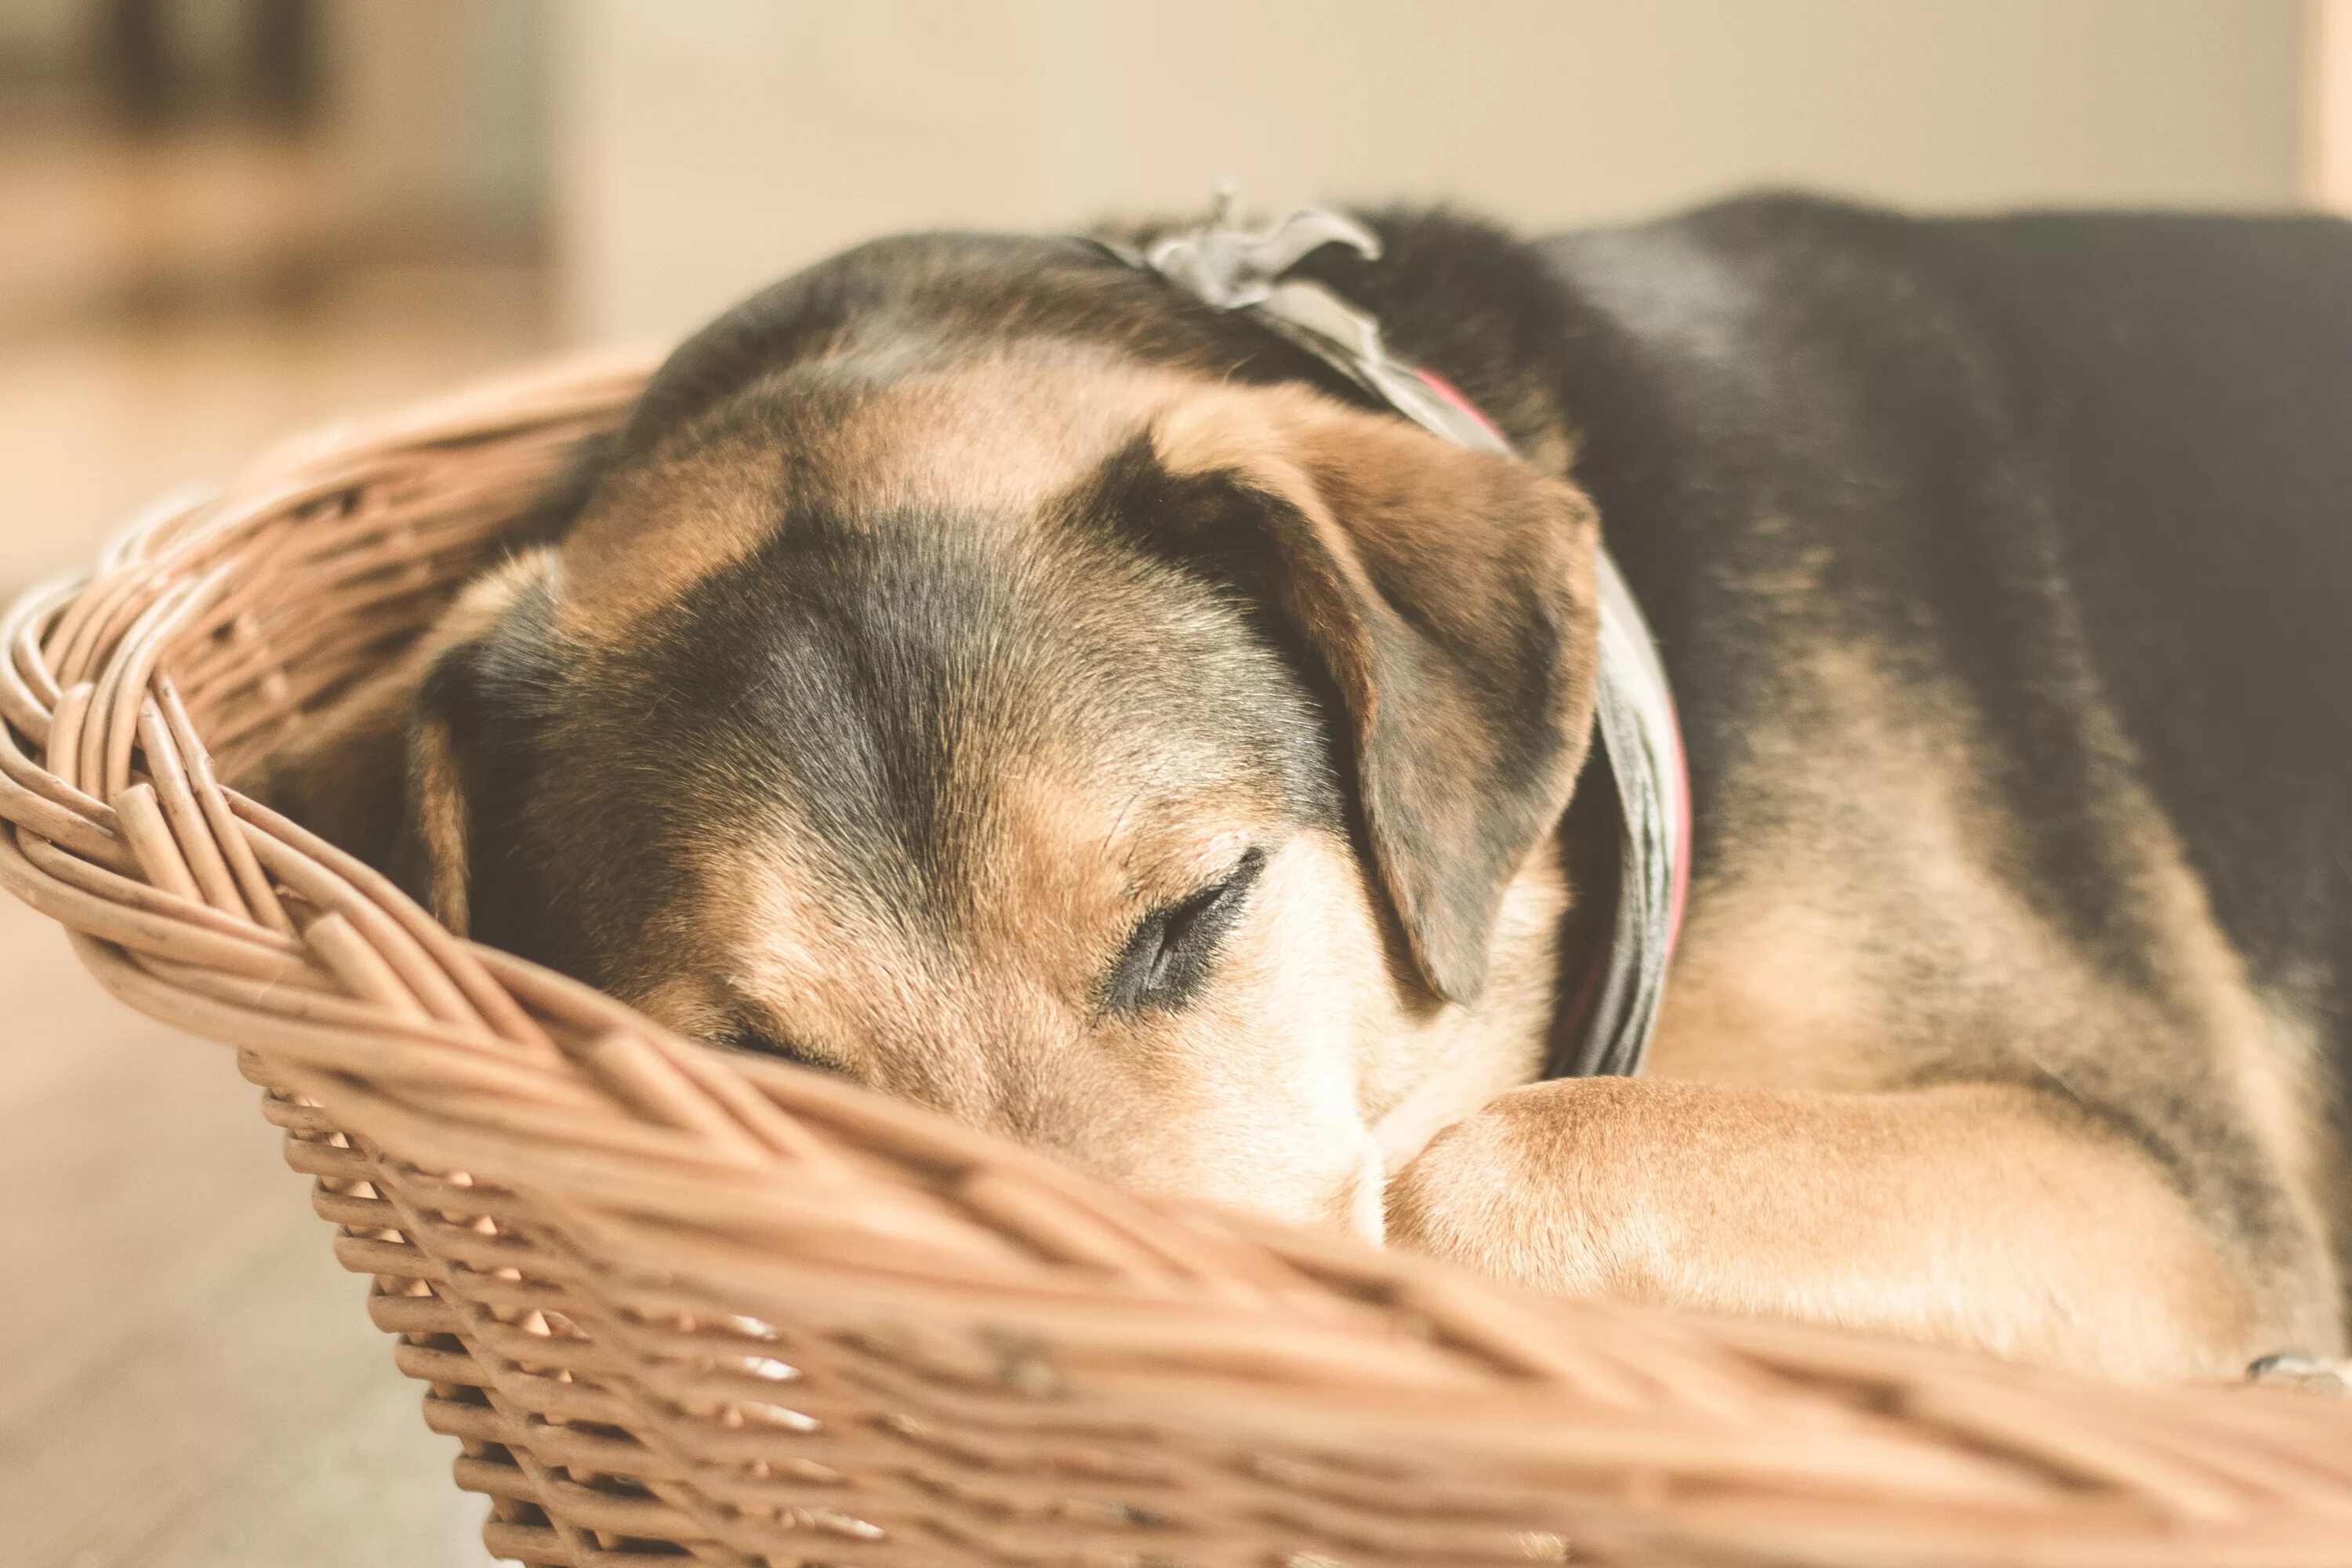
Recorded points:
(1447, 594)
(396, 770)
(347, 776)
(468, 736)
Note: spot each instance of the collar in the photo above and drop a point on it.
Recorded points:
(1605, 1026)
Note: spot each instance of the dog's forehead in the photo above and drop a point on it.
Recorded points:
(994, 437)
(909, 692)
(1008, 807)
(927, 742)
(1048, 861)
(863, 653)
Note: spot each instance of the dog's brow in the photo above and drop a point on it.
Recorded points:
(1127, 806)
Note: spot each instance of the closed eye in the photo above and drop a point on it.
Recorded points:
(1173, 949)
(751, 1037)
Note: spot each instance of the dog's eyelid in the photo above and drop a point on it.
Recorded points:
(748, 1037)
(1171, 949)
(1232, 884)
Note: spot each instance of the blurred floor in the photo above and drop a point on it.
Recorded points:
(191, 1381)
(98, 419)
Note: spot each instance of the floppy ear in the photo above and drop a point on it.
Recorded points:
(393, 771)
(1449, 596)
(468, 740)
(434, 860)
(376, 772)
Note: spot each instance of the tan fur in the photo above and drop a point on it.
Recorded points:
(1970, 1214)
(996, 437)
(1428, 1067)
(1784, 985)
(438, 815)
(1380, 492)
(649, 536)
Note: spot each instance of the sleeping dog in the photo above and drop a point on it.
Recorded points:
(987, 672)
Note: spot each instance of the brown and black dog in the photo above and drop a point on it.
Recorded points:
(981, 670)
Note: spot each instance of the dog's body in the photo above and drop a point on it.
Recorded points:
(980, 670)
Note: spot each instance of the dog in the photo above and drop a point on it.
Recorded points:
(982, 670)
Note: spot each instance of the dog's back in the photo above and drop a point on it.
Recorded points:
(2075, 493)
(2183, 387)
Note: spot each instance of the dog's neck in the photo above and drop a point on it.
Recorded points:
(1477, 306)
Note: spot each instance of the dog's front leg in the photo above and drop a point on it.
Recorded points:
(1987, 1216)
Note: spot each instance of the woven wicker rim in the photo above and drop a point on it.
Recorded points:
(671, 1300)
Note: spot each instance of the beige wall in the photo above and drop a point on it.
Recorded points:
(439, 115)
(706, 147)
(2327, 104)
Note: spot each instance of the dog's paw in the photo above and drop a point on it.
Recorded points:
(2308, 1373)
(1511, 1191)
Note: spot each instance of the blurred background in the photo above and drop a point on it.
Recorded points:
(224, 219)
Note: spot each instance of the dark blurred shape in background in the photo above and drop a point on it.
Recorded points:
(165, 151)
(219, 218)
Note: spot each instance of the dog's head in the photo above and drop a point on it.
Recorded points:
(959, 679)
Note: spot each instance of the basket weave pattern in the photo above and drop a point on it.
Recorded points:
(671, 1301)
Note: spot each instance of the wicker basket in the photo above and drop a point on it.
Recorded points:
(675, 1302)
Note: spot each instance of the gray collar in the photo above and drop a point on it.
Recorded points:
(1606, 1023)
